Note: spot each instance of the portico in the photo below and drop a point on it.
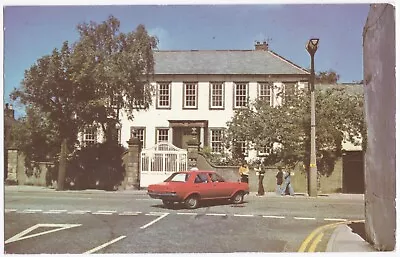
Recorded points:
(182, 132)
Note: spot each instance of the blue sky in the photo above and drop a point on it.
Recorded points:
(31, 32)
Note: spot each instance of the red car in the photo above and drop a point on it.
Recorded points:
(190, 187)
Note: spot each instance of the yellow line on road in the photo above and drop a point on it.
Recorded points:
(314, 233)
(308, 239)
(316, 242)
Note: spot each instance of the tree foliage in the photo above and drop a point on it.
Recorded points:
(327, 77)
(88, 83)
(36, 136)
(115, 69)
(339, 116)
(48, 86)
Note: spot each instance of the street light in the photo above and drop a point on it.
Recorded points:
(312, 46)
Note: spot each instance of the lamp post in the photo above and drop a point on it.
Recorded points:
(312, 46)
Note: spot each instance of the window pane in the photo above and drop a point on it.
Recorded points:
(265, 92)
(240, 94)
(216, 141)
(190, 94)
(163, 95)
(89, 136)
(162, 135)
(217, 94)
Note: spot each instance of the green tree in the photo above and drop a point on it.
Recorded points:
(37, 137)
(339, 116)
(89, 83)
(48, 88)
(115, 68)
(327, 77)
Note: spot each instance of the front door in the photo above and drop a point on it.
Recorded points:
(181, 136)
(177, 133)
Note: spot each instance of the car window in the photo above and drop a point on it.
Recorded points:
(178, 177)
(215, 177)
(201, 178)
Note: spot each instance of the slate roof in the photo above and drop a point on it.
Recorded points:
(226, 62)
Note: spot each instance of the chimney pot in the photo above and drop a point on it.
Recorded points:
(261, 47)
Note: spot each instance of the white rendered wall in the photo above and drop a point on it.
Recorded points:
(158, 118)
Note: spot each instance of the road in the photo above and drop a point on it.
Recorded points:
(115, 222)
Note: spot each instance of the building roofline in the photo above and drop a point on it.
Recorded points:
(208, 50)
(235, 74)
(288, 61)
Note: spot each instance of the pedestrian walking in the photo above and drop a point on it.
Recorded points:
(279, 181)
(244, 172)
(286, 188)
(260, 172)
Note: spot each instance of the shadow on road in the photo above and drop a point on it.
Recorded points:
(358, 228)
(204, 204)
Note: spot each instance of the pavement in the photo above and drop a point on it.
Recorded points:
(343, 239)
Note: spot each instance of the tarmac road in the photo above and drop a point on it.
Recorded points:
(115, 222)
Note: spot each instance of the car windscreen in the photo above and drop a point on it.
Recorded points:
(178, 177)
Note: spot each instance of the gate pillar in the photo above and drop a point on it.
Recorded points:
(132, 176)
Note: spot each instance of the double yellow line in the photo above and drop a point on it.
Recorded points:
(317, 234)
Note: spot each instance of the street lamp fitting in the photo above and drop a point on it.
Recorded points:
(312, 45)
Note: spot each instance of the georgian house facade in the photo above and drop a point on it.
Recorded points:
(200, 90)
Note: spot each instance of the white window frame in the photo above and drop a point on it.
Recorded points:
(218, 142)
(89, 136)
(193, 95)
(244, 87)
(165, 133)
(267, 150)
(140, 133)
(217, 87)
(161, 92)
(266, 92)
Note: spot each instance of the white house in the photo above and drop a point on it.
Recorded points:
(200, 90)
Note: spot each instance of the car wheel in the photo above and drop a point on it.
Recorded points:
(192, 202)
(167, 204)
(238, 198)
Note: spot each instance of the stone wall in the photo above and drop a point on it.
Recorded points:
(380, 107)
(19, 174)
(12, 166)
(331, 184)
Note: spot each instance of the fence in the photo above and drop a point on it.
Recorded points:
(160, 161)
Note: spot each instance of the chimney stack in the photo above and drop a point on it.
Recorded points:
(261, 46)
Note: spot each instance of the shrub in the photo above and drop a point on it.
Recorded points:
(97, 166)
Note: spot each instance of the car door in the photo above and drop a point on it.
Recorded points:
(203, 185)
(221, 188)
